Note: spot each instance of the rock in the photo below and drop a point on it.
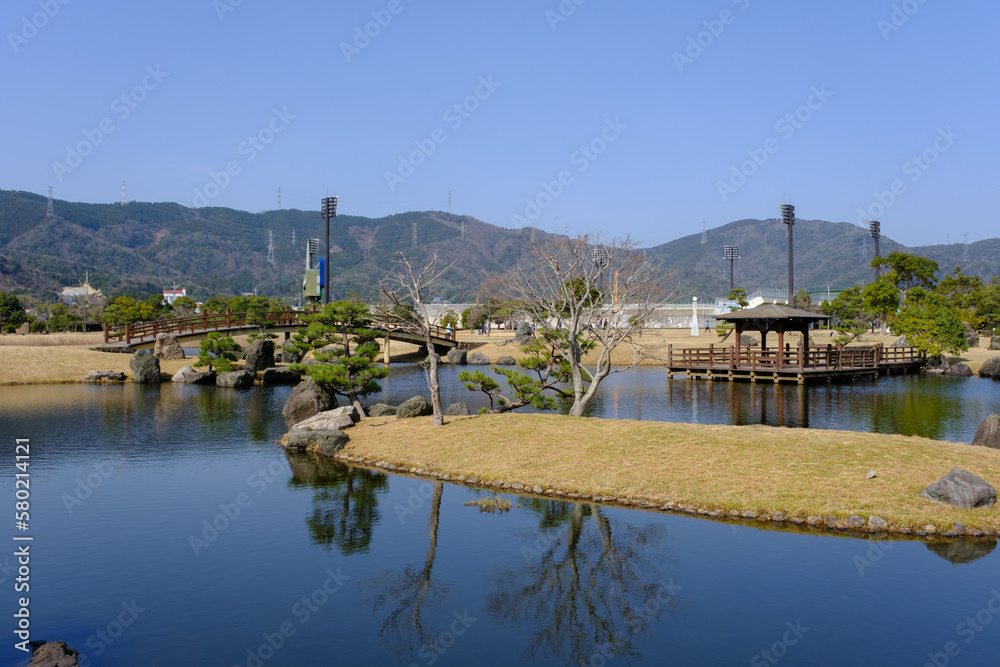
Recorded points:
(779, 516)
(502, 343)
(102, 377)
(506, 361)
(456, 356)
(854, 521)
(167, 347)
(145, 368)
(960, 369)
(971, 335)
(418, 406)
(962, 489)
(307, 399)
(936, 364)
(236, 379)
(289, 355)
(278, 375)
(382, 410)
(426, 360)
(988, 433)
(326, 443)
(260, 355)
(458, 410)
(990, 368)
(188, 375)
(994, 343)
(747, 340)
(523, 333)
(872, 474)
(900, 342)
(877, 523)
(477, 359)
(54, 654)
(330, 420)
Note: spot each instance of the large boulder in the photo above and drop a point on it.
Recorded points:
(506, 361)
(278, 375)
(478, 359)
(188, 375)
(936, 364)
(260, 355)
(54, 654)
(988, 433)
(236, 379)
(307, 399)
(995, 342)
(900, 342)
(167, 347)
(418, 406)
(457, 356)
(746, 340)
(104, 377)
(326, 443)
(145, 368)
(458, 410)
(971, 335)
(331, 420)
(990, 368)
(289, 355)
(382, 410)
(523, 333)
(962, 489)
(960, 369)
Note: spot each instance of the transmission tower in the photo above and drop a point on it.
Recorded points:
(965, 251)
(279, 200)
(463, 230)
(123, 193)
(414, 235)
(449, 201)
(49, 213)
(270, 248)
(704, 231)
(293, 237)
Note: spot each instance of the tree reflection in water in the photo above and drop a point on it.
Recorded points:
(345, 501)
(408, 592)
(585, 584)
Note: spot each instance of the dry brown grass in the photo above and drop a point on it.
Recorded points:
(68, 363)
(797, 471)
(47, 340)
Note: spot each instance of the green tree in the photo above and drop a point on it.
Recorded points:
(908, 271)
(450, 319)
(12, 313)
(850, 313)
(987, 305)
(930, 323)
(737, 295)
(214, 305)
(184, 306)
(125, 309)
(218, 352)
(61, 319)
(881, 298)
(802, 300)
(340, 339)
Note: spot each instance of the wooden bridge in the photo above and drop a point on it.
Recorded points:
(801, 365)
(140, 335)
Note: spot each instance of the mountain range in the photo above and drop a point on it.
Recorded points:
(144, 247)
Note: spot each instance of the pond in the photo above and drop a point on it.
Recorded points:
(170, 530)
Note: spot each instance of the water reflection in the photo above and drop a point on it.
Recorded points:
(962, 551)
(584, 584)
(345, 501)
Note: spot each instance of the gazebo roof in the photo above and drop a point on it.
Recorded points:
(774, 312)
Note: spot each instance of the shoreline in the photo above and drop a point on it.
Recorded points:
(728, 488)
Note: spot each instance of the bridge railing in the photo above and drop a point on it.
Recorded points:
(227, 321)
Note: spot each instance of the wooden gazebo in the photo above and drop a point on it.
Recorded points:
(773, 317)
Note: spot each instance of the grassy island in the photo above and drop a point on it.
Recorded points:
(800, 472)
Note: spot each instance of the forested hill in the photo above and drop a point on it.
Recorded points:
(145, 247)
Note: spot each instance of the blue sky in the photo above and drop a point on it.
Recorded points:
(635, 117)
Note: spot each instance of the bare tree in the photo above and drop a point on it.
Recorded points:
(408, 285)
(592, 297)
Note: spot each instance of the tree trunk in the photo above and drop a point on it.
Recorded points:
(432, 379)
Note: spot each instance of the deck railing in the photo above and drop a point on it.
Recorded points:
(827, 357)
(144, 332)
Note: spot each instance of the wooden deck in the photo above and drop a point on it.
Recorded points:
(817, 364)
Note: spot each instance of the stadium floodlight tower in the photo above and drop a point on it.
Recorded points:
(732, 254)
(600, 262)
(329, 211)
(788, 218)
(875, 231)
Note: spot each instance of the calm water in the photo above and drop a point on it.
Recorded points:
(329, 565)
